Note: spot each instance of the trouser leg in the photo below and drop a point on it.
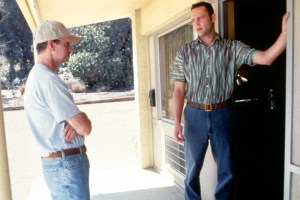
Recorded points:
(196, 143)
(221, 143)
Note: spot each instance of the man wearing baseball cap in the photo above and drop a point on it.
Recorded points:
(57, 124)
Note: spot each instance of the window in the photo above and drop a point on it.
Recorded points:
(168, 46)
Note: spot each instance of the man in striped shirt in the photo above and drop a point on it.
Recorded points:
(204, 72)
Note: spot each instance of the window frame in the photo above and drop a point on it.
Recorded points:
(159, 72)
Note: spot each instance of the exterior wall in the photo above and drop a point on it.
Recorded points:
(157, 17)
(141, 84)
(158, 14)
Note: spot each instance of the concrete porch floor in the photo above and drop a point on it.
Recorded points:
(125, 184)
(112, 150)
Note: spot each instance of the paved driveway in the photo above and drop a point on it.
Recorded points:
(112, 149)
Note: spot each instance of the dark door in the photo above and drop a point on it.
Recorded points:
(259, 107)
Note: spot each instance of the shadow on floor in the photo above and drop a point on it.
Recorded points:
(166, 193)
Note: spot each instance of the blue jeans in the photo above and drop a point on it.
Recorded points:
(68, 177)
(200, 128)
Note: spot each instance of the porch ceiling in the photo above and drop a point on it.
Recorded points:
(77, 12)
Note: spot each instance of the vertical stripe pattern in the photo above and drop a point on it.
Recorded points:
(209, 71)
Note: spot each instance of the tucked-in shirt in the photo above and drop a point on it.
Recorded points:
(209, 71)
(48, 103)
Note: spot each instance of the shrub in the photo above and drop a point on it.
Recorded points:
(83, 66)
(76, 85)
(22, 89)
(104, 56)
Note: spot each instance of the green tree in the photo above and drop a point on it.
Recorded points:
(16, 42)
(104, 56)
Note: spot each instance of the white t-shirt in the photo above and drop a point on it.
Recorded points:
(48, 103)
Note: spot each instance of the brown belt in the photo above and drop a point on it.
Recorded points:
(208, 107)
(67, 152)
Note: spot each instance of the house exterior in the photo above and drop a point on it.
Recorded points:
(159, 27)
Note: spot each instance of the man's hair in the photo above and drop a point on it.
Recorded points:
(207, 5)
(40, 47)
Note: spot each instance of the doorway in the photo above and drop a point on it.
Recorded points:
(260, 105)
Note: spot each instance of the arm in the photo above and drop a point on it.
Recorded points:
(80, 123)
(267, 57)
(178, 99)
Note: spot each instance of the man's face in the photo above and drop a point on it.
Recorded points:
(63, 51)
(203, 23)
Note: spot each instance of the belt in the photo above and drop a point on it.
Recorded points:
(67, 152)
(208, 107)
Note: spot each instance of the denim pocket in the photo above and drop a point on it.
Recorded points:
(72, 162)
(73, 170)
(51, 174)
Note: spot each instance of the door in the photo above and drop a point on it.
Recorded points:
(260, 103)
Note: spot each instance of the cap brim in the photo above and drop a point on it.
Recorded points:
(71, 38)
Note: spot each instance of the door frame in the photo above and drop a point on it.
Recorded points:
(290, 168)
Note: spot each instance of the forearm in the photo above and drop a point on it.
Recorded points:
(268, 57)
(81, 123)
(178, 99)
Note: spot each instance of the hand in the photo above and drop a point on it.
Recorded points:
(69, 132)
(178, 133)
(284, 21)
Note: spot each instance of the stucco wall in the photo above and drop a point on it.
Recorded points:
(158, 13)
(158, 17)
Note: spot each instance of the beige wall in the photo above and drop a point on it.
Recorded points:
(157, 18)
(157, 13)
(141, 84)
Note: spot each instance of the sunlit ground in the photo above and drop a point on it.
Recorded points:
(130, 183)
(112, 151)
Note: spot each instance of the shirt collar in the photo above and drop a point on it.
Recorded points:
(199, 41)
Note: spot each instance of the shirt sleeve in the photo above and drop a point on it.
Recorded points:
(178, 71)
(60, 101)
(244, 54)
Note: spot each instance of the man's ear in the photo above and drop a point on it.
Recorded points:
(51, 44)
(213, 17)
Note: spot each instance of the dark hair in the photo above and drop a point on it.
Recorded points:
(207, 5)
(40, 47)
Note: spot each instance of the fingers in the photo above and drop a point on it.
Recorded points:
(69, 133)
(178, 135)
(284, 22)
(285, 18)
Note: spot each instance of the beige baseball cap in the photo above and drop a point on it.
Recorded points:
(53, 30)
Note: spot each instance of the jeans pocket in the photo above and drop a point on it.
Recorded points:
(72, 162)
(74, 170)
(51, 175)
(68, 178)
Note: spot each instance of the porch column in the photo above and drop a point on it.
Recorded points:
(5, 189)
(141, 70)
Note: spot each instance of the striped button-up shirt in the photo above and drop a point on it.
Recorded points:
(209, 71)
